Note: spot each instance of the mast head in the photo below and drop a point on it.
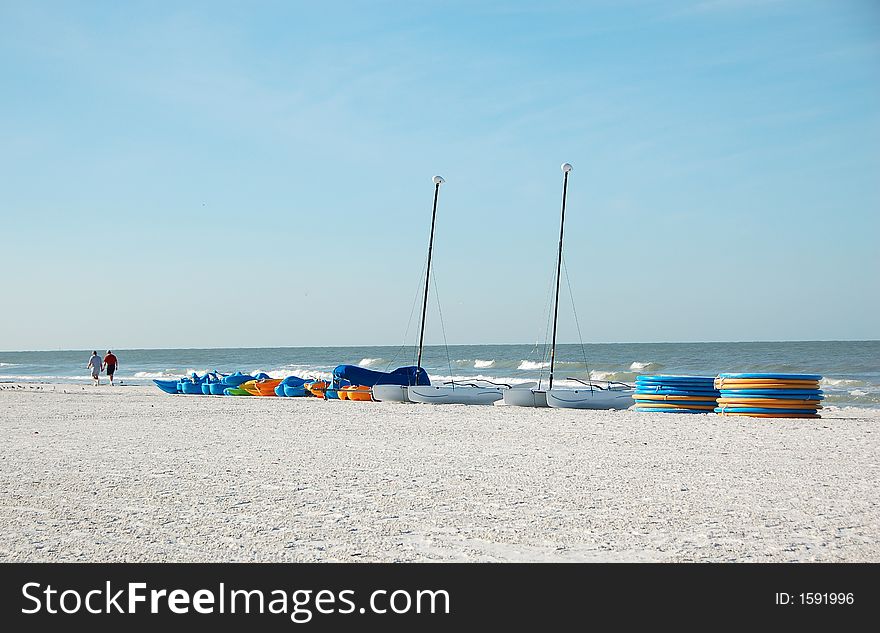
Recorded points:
(438, 180)
(566, 167)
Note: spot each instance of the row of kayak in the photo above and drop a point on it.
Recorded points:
(261, 384)
(757, 395)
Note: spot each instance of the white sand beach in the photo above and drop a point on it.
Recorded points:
(131, 474)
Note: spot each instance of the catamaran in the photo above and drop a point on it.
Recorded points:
(471, 392)
(592, 394)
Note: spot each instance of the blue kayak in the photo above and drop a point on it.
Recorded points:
(666, 379)
(168, 386)
(670, 391)
(296, 391)
(192, 388)
(216, 388)
(234, 380)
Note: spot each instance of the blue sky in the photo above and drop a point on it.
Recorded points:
(258, 174)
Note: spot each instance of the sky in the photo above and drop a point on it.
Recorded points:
(224, 174)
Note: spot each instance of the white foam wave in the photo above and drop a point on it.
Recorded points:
(301, 371)
(529, 365)
(841, 382)
(644, 366)
(9, 365)
(370, 362)
(483, 364)
(621, 376)
(503, 380)
(158, 374)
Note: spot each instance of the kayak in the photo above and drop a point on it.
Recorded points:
(235, 391)
(317, 388)
(355, 392)
(168, 386)
(261, 387)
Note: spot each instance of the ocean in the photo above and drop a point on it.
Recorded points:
(851, 369)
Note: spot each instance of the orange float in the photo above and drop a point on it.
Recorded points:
(360, 393)
(317, 388)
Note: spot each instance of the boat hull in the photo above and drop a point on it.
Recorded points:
(590, 399)
(390, 393)
(430, 394)
(518, 397)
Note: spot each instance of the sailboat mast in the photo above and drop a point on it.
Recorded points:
(566, 168)
(438, 180)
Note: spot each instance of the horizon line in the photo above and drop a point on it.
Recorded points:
(265, 347)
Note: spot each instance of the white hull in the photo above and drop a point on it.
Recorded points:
(590, 399)
(525, 396)
(390, 393)
(444, 394)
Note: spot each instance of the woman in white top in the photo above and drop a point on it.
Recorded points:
(95, 366)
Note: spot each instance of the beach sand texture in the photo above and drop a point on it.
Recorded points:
(130, 474)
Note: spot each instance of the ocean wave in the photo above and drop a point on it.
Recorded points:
(619, 376)
(639, 366)
(842, 382)
(10, 365)
(503, 380)
(530, 365)
(159, 374)
(371, 362)
(301, 371)
(483, 364)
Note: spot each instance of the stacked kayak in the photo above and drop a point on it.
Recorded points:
(292, 387)
(317, 388)
(262, 387)
(193, 384)
(236, 379)
(356, 392)
(769, 395)
(675, 394)
(236, 391)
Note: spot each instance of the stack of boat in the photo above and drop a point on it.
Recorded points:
(675, 394)
(769, 395)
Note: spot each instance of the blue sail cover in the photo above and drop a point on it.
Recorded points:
(354, 375)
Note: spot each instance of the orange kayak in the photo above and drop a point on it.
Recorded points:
(261, 387)
(356, 392)
(317, 388)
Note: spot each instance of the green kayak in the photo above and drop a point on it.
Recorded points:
(236, 391)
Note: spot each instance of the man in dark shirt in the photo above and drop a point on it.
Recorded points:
(110, 364)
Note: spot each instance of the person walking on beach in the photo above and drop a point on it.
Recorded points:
(95, 366)
(111, 363)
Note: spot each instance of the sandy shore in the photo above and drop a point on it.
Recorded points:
(130, 474)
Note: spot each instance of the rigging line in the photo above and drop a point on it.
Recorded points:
(549, 305)
(416, 297)
(576, 322)
(443, 329)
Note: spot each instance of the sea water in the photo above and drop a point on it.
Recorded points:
(851, 369)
